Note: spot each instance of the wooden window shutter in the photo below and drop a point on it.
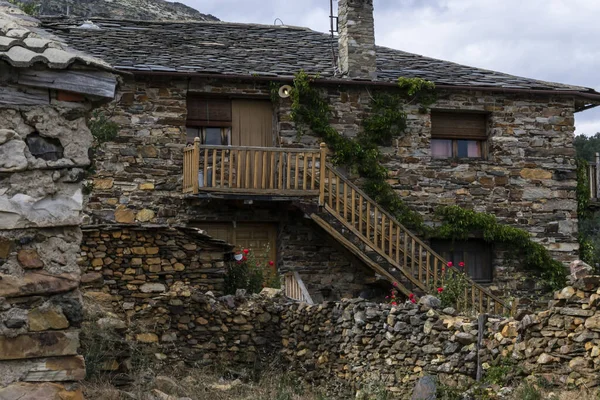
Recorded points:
(207, 110)
(455, 125)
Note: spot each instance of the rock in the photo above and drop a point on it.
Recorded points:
(5, 248)
(270, 292)
(532, 173)
(159, 395)
(546, 359)
(29, 258)
(40, 344)
(593, 322)
(430, 349)
(153, 288)
(146, 337)
(39, 391)
(430, 301)
(111, 323)
(566, 293)
(225, 386)
(46, 148)
(510, 330)
(449, 311)
(579, 269)
(47, 317)
(92, 278)
(465, 338)
(103, 184)
(148, 151)
(36, 283)
(425, 389)
(167, 385)
(145, 215)
(125, 216)
(12, 156)
(8, 134)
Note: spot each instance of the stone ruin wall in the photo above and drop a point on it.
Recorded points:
(529, 181)
(354, 343)
(43, 150)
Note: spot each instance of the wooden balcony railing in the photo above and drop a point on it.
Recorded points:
(594, 178)
(253, 170)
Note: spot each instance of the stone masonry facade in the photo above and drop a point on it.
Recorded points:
(528, 180)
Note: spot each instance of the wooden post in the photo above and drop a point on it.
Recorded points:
(322, 167)
(196, 164)
(597, 176)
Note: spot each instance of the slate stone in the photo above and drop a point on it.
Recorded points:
(425, 389)
(48, 149)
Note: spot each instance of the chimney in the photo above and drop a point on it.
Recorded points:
(357, 39)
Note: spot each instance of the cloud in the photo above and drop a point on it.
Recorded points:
(552, 40)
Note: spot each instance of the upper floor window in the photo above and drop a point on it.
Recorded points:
(210, 119)
(225, 121)
(458, 135)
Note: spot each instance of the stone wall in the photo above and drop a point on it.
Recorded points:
(355, 344)
(134, 263)
(43, 153)
(528, 181)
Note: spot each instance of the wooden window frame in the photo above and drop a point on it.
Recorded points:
(203, 124)
(442, 129)
(472, 246)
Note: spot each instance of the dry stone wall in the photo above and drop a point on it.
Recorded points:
(43, 153)
(353, 344)
(133, 264)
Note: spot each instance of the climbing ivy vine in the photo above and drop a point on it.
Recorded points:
(362, 155)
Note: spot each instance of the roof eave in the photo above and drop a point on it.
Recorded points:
(592, 97)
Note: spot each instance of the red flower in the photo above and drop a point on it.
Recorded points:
(244, 258)
(271, 263)
(411, 296)
(461, 264)
(412, 300)
(395, 283)
(443, 269)
(440, 290)
(450, 264)
(394, 303)
(246, 251)
(387, 297)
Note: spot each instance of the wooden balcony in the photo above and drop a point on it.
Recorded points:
(344, 210)
(253, 170)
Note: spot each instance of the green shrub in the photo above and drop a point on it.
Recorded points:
(249, 273)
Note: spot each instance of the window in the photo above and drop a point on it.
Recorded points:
(209, 119)
(224, 121)
(458, 135)
(476, 254)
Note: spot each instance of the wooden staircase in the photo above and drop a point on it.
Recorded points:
(398, 254)
(344, 211)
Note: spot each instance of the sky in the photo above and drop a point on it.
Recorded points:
(551, 40)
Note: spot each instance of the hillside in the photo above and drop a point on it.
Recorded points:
(121, 9)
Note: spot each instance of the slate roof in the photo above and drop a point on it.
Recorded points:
(250, 49)
(23, 44)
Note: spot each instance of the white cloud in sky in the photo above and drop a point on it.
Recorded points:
(553, 40)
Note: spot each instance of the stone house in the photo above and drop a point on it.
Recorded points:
(492, 142)
(46, 92)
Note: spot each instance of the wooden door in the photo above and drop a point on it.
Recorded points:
(252, 126)
(260, 238)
